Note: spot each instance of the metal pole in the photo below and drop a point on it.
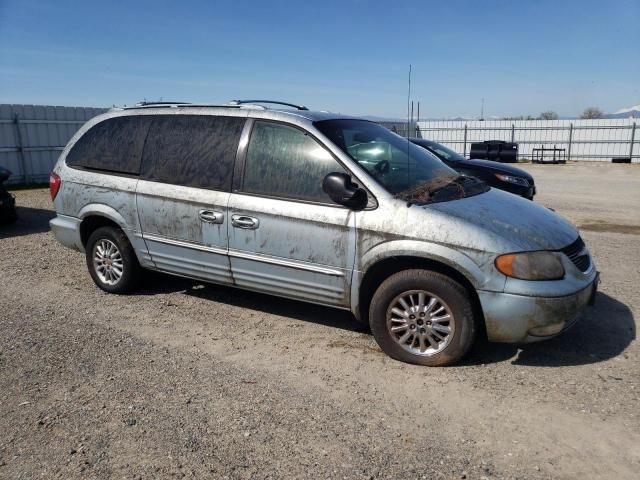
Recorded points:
(23, 163)
(570, 140)
(513, 132)
(633, 139)
(464, 149)
(411, 116)
(408, 100)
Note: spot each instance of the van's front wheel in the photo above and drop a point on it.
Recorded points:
(422, 317)
(111, 261)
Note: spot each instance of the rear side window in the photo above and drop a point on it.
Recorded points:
(192, 150)
(285, 162)
(113, 145)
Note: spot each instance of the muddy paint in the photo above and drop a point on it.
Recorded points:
(178, 239)
(308, 240)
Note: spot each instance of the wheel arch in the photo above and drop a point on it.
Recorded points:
(383, 268)
(91, 223)
(98, 215)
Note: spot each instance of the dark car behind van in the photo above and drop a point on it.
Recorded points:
(7, 202)
(495, 174)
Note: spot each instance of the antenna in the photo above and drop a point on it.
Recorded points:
(482, 110)
(408, 127)
(408, 100)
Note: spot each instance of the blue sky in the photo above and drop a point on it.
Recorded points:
(351, 56)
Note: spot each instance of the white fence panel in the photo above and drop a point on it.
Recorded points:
(591, 140)
(32, 137)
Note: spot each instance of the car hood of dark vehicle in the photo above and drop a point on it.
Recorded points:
(497, 167)
(4, 174)
(514, 223)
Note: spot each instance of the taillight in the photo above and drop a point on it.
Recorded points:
(54, 184)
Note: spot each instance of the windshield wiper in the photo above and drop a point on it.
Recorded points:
(425, 192)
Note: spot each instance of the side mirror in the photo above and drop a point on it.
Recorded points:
(343, 191)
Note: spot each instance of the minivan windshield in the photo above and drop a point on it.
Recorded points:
(406, 170)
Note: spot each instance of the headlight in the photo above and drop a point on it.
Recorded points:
(511, 179)
(531, 265)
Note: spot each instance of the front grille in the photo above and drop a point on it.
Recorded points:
(578, 254)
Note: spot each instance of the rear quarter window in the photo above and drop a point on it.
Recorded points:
(192, 150)
(113, 145)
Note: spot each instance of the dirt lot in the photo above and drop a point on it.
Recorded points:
(191, 380)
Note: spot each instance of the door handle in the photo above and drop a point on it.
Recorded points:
(211, 216)
(243, 221)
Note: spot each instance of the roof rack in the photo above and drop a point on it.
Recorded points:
(177, 105)
(152, 104)
(231, 104)
(272, 102)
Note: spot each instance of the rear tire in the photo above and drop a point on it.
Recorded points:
(111, 260)
(422, 317)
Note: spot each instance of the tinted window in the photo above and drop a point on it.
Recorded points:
(393, 161)
(113, 145)
(285, 162)
(191, 150)
(442, 151)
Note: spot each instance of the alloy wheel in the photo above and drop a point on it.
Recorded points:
(420, 322)
(107, 261)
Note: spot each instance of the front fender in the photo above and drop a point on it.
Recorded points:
(480, 278)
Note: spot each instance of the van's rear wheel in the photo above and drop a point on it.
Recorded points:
(111, 261)
(422, 317)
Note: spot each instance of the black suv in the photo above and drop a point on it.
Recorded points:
(495, 174)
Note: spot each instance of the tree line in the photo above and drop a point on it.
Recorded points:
(588, 113)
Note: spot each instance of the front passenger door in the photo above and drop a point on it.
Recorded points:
(286, 237)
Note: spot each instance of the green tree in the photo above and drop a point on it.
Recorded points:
(592, 112)
(549, 115)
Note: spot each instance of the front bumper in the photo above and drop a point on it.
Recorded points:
(531, 192)
(527, 192)
(514, 318)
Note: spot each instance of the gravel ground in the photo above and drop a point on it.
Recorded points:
(190, 380)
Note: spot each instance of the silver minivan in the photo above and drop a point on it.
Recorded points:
(323, 208)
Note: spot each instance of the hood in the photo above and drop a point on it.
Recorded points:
(497, 167)
(508, 222)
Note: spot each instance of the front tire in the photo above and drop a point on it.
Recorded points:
(422, 317)
(111, 261)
